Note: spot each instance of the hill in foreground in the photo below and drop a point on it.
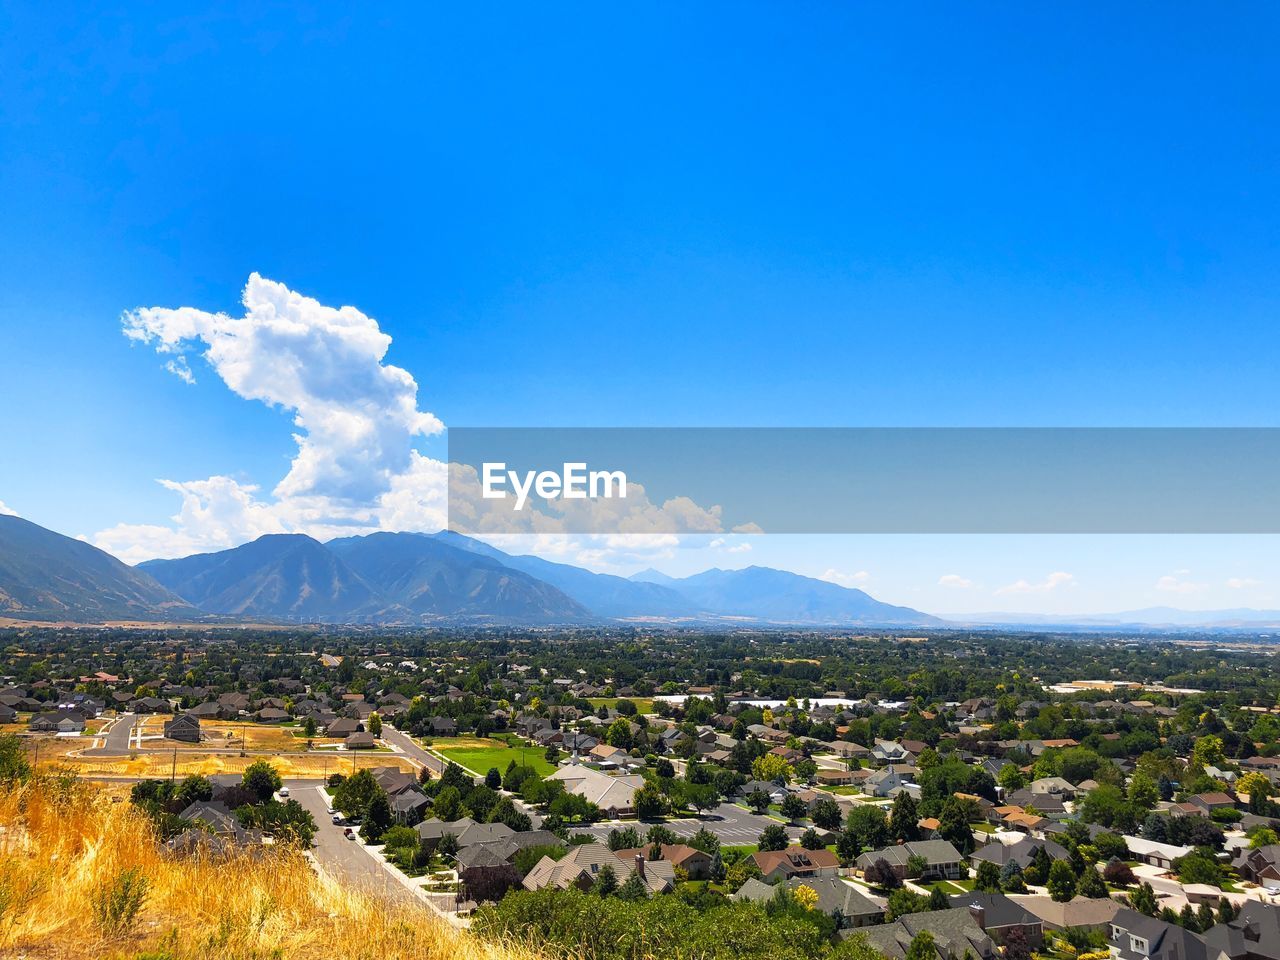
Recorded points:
(67, 846)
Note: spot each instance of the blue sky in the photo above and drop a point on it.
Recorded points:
(730, 215)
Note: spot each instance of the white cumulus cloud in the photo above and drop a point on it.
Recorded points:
(6, 510)
(356, 420)
(955, 581)
(1047, 585)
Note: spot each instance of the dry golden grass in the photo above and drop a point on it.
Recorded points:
(63, 842)
(161, 763)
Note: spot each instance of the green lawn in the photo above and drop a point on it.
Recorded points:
(643, 704)
(949, 886)
(479, 755)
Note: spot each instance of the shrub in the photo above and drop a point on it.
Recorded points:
(116, 904)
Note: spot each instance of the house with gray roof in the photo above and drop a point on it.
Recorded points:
(942, 860)
(1135, 936)
(955, 933)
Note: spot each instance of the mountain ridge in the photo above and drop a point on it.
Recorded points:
(48, 576)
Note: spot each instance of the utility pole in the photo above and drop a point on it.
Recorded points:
(173, 770)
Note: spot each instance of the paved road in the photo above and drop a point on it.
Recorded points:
(116, 743)
(734, 826)
(405, 743)
(341, 857)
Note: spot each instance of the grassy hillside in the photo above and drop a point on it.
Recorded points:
(72, 863)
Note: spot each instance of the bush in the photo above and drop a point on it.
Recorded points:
(116, 904)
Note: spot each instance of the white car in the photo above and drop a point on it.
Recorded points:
(284, 791)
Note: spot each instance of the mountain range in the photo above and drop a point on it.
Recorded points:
(412, 579)
(399, 579)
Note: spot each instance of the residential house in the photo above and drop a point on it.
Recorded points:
(1083, 912)
(796, 862)
(695, 863)
(183, 727)
(1254, 934)
(956, 934)
(998, 916)
(1262, 865)
(581, 866)
(1135, 936)
(614, 795)
(942, 860)
(1021, 851)
(1155, 854)
(844, 902)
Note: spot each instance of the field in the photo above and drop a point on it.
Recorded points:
(256, 736)
(643, 704)
(70, 851)
(479, 755)
(160, 764)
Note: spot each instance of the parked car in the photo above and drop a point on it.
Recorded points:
(349, 833)
(284, 791)
(337, 818)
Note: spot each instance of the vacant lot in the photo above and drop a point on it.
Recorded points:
(479, 754)
(161, 763)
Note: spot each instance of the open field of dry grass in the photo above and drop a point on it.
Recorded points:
(64, 847)
(161, 763)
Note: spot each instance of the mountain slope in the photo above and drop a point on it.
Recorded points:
(44, 575)
(289, 576)
(783, 597)
(601, 593)
(428, 576)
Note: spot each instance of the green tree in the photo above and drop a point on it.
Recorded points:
(1091, 884)
(634, 889)
(619, 734)
(988, 877)
(1011, 778)
(811, 841)
(1208, 751)
(377, 818)
(770, 767)
(922, 947)
(261, 779)
(1144, 900)
(624, 838)
(773, 837)
(309, 727)
(904, 819)
(848, 848)
(793, 808)
(650, 802)
(825, 814)
(375, 725)
(14, 767)
(606, 882)
(758, 800)
(1062, 882)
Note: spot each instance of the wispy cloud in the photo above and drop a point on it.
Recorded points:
(1176, 583)
(1049, 584)
(1233, 583)
(955, 581)
(846, 579)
